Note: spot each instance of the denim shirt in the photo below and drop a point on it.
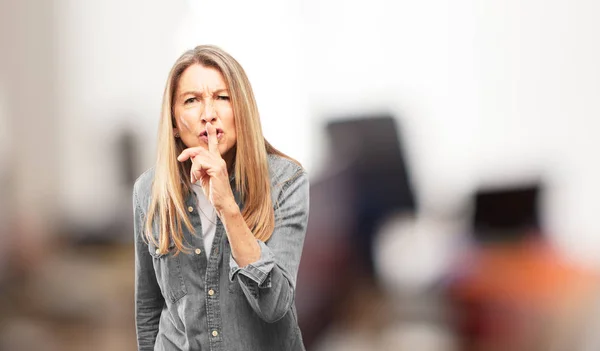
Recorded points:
(186, 302)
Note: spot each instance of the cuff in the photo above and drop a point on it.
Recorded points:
(258, 271)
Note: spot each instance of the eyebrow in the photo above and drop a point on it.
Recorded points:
(197, 92)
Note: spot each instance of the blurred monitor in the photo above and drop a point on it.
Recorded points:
(507, 214)
(371, 144)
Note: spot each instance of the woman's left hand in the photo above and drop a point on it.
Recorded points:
(210, 169)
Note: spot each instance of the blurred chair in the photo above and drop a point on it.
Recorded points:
(366, 179)
(371, 149)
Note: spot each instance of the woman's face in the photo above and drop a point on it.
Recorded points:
(202, 97)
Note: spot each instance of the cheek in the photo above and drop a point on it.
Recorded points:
(227, 119)
(184, 119)
(225, 112)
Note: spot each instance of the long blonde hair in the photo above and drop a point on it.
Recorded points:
(171, 179)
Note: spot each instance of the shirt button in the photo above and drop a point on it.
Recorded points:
(198, 251)
(190, 209)
(211, 292)
(157, 251)
(215, 333)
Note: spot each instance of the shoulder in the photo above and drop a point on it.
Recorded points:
(283, 170)
(288, 180)
(142, 188)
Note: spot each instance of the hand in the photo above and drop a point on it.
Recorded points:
(210, 169)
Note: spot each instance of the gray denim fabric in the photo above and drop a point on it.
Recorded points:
(183, 302)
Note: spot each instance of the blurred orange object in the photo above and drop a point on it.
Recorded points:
(520, 296)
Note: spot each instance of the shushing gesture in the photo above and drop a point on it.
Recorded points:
(210, 169)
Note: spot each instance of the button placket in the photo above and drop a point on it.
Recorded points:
(212, 280)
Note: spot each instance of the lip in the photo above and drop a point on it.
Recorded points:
(204, 135)
(205, 132)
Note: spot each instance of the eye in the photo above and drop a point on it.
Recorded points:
(223, 97)
(189, 100)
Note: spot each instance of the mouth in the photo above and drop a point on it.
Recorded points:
(204, 135)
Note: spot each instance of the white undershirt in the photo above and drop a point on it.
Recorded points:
(208, 218)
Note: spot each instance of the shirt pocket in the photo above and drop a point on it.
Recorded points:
(168, 273)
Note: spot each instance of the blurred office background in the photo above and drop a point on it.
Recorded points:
(451, 146)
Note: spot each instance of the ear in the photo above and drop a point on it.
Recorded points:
(176, 132)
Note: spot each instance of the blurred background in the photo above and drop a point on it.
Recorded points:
(451, 146)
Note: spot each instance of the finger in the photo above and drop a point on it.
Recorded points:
(196, 170)
(184, 155)
(200, 163)
(213, 142)
(196, 162)
(196, 174)
(189, 153)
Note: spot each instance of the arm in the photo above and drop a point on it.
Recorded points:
(268, 276)
(148, 298)
(269, 282)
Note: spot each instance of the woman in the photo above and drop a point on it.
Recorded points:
(219, 220)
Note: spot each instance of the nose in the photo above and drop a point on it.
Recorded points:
(209, 115)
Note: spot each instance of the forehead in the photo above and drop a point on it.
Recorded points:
(201, 78)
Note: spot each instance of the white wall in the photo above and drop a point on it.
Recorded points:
(114, 60)
(487, 91)
(28, 78)
(115, 57)
(266, 37)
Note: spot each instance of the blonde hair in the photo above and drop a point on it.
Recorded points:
(171, 179)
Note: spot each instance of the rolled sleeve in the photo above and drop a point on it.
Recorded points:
(270, 282)
(259, 271)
